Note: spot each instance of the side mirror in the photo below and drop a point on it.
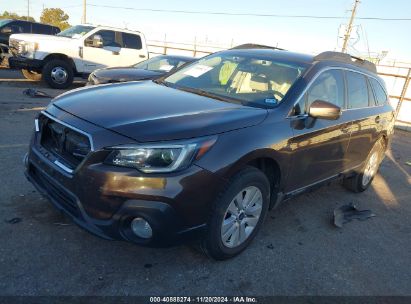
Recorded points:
(7, 30)
(324, 110)
(94, 41)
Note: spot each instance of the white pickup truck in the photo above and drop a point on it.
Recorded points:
(77, 51)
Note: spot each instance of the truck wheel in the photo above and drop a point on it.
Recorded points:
(363, 179)
(58, 74)
(237, 214)
(31, 75)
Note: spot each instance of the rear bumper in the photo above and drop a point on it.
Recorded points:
(25, 63)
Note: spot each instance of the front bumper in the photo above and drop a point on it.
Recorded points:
(170, 220)
(25, 63)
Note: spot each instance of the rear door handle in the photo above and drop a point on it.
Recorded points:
(142, 56)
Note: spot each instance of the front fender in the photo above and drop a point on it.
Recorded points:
(236, 149)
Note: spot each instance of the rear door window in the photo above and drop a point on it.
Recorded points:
(42, 29)
(357, 90)
(380, 95)
(131, 41)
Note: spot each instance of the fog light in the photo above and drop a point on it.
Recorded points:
(141, 228)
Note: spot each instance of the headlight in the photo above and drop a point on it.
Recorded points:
(159, 157)
(27, 47)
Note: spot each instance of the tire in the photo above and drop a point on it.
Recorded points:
(31, 75)
(362, 180)
(216, 244)
(58, 74)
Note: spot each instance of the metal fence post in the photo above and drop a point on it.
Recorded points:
(403, 92)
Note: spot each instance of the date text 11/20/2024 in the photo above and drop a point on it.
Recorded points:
(203, 300)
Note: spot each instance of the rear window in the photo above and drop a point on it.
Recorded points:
(380, 95)
(131, 41)
(357, 90)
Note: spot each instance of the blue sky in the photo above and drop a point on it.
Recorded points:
(303, 35)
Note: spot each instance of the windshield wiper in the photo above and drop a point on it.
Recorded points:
(208, 94)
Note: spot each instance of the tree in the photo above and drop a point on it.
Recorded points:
(56, 17)
(10, 15)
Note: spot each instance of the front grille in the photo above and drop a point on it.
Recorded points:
(14, 46)
(69, 146)
(58, 194)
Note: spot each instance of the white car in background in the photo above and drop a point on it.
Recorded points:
(77, 51)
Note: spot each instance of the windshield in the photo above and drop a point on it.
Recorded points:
(161, 64)
(78, 30)
(4, 22)
(251, 79)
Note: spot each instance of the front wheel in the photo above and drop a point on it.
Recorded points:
(58, 74)
(363, 179)
(31, 75)
(237, 215)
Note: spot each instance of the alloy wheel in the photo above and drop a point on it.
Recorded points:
(241, 217)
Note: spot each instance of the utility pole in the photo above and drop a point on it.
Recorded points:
(28, 10)
(349, 27)
(84, 12)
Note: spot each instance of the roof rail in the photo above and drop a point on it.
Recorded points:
(347, 58)
(255, 46)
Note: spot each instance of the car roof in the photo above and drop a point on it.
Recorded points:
(275, 54)
(332, 58)
(25, 21)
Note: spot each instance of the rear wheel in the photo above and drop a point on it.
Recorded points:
(31, 75)
(362, 180)
(58, 74)
(237, 215)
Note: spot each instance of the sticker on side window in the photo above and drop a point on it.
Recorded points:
(198, 70)
(166, 67)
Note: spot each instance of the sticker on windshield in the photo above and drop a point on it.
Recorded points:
(198, 70)
(166, 67)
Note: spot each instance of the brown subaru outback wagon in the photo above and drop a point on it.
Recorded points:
(205, 152)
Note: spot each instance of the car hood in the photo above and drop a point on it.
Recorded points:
(146, 111)
(124, 74)
(39, 38)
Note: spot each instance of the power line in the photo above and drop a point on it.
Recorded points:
(243, 14)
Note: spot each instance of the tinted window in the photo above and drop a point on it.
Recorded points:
(357, 90)
(16, 28)
(43, 29)
(329, 86)
(26, 27)
(380, 96)
(131, 41)
(109, 38)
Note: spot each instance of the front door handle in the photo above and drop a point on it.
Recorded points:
(116, 52)
(142, 56)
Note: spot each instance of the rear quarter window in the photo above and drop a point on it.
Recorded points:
(380, 95)
(357, 90)
(131, 41)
